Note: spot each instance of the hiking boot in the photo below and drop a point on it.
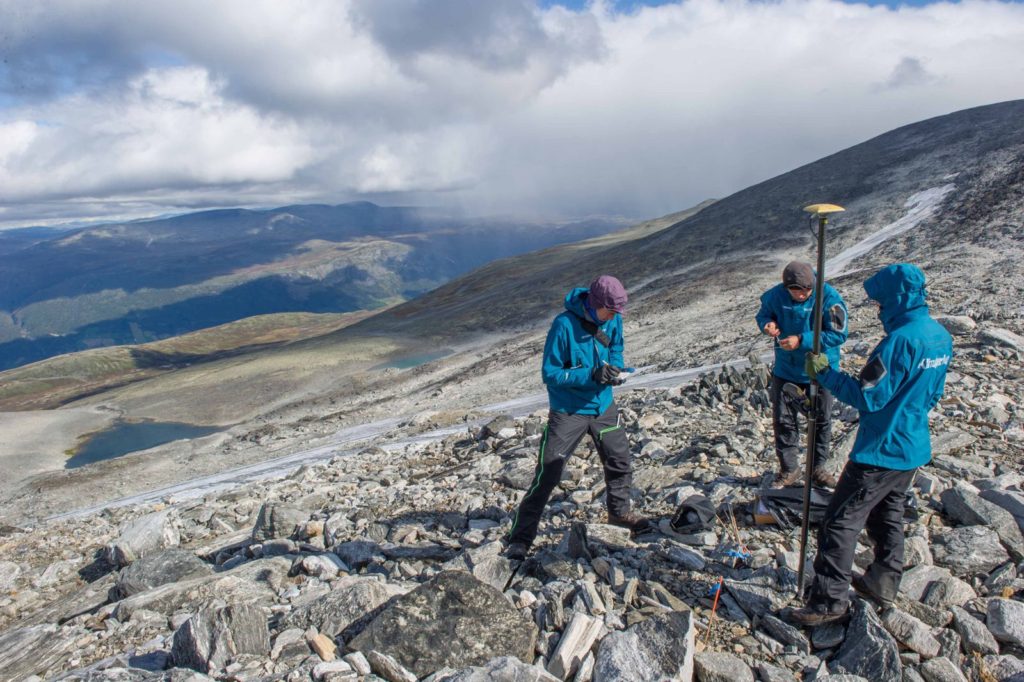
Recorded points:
(825, 478)
(516, 551)
(786, 479)
(862, 587)
(819, 614)
(634, 522)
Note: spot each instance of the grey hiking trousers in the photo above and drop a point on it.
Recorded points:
(561, 436)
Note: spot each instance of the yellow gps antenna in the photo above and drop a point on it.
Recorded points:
(822, 211)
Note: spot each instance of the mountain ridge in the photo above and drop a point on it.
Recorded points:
(140, 281)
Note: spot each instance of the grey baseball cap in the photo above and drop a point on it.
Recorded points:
(798, 274)
(608, 292)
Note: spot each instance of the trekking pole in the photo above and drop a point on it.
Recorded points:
(821, 211)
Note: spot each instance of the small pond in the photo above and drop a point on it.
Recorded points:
(125, 437)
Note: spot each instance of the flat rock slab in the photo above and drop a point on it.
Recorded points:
(1002, 337)
(713, 666)
(159, 568)
(249, 583)
(31, 651)
(212, 637)
(868, 650)
(452, 620)
(968, 550)
(954, 441)
(352, 599)
(658, 648)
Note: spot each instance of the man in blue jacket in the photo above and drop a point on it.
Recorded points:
(582, 361)
(787, 315)
(903, 379)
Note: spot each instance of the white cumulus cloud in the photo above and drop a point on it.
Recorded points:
(116, 107)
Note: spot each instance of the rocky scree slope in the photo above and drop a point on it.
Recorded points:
(386, 565)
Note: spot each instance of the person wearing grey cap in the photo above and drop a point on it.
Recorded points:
(787, 315)
(582, 361)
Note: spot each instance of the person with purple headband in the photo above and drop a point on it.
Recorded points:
(582, 361)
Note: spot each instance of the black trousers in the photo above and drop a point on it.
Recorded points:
(866, 497)
(789, 438)
(561, 436)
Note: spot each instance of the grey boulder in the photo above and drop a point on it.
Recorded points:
(277, 521)
(658, 648)
(968, 550)
(210, 639)
(970, 509)
(452, 620)
(141, 536)
(714, 666)
(158, 568)
(975, 637)
(1005, 619)
(352, 599)
(868, 650)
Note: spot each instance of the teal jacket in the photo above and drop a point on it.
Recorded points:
(797, 319)
(571, 354)
(904, 377)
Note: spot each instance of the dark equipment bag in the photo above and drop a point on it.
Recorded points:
(694, 514)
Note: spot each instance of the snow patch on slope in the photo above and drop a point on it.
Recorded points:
(921, 206)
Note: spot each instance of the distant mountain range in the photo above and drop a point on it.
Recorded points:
(68, 290)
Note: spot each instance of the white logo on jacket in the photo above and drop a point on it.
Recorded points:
(933, 363)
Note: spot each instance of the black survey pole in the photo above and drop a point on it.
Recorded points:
(821, 211)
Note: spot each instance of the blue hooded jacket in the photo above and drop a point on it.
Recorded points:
(904, 377)
(570, 355)
(797, 319)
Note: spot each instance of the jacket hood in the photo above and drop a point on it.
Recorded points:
(574, 302)
(899, 289)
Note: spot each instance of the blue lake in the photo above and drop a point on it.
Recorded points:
(125, 437)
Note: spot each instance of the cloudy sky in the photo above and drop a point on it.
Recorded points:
(121, 108)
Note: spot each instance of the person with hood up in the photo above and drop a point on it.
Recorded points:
(582, 361)
(903, 379)
(787, 315)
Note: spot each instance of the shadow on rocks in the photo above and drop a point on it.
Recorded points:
(98, 568)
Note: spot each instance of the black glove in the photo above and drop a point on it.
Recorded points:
(605, 374)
